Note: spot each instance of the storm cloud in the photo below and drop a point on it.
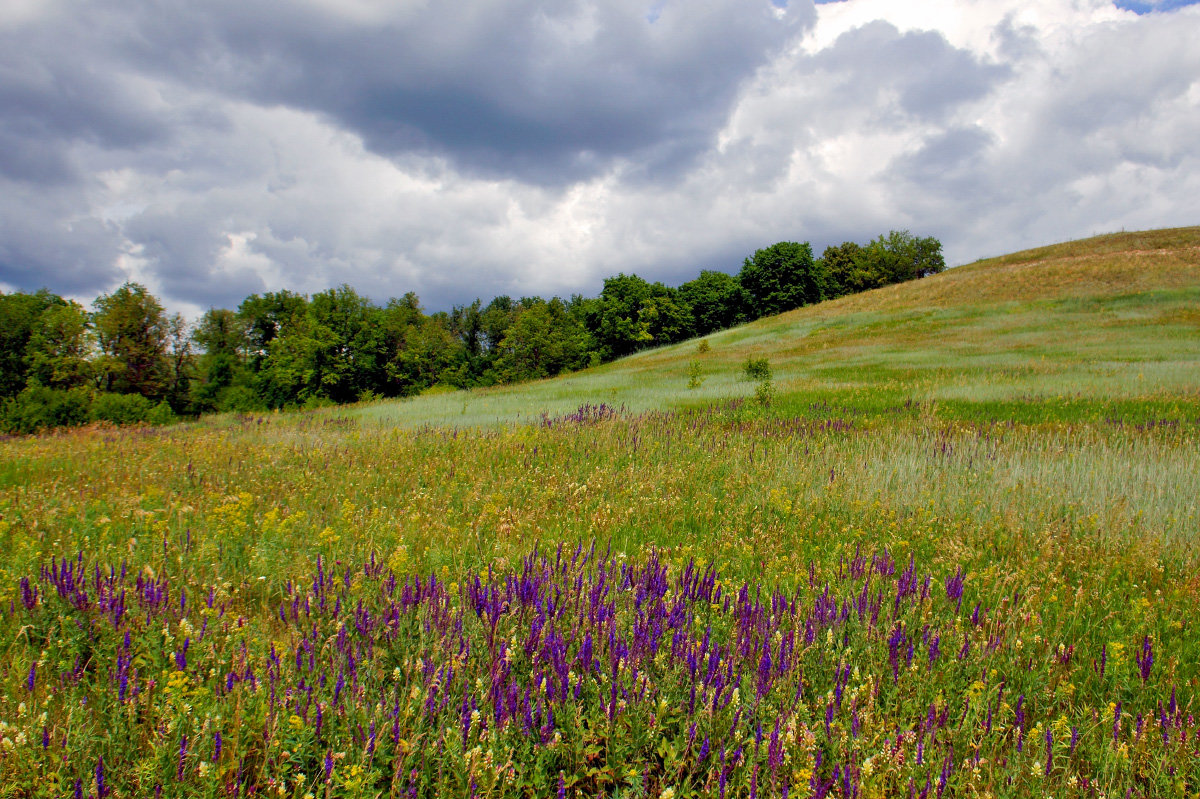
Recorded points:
(213, 150)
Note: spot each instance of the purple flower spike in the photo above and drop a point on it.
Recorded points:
(1145, 658)
(954, 587)
(31, 680)
(101, 788)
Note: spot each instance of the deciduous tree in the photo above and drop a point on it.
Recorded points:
(133, 332)
(781, 277)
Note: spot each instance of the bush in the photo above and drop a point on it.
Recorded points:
(40, 408)
(240, 399)
(121, 408)
(764, 393)
(161, 413)
(315, 402)
(757, 369)
(695, 375)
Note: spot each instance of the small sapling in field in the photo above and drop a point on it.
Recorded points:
(757, 369)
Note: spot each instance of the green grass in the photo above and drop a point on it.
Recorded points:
(1033, 420)
(1109, 319)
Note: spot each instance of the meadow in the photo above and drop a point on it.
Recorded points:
(952, 550)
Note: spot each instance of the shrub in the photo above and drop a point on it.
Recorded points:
(757, 369)
(40, 408)
(764, 393)
(161, 414)
(695, 376)
(121, 408)
(316, 402)
(240, 399)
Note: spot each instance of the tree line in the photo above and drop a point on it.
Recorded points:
(128, 360)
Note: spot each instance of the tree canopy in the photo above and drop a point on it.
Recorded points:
(128, 360)
(782, 277)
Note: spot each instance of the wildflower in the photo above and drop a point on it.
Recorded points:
(1145, 659)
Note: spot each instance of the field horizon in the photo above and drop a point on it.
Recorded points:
(937, 539)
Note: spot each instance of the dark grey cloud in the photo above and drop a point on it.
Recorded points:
(222, 148)
(52, 93)
(548, 90)
(47, 239)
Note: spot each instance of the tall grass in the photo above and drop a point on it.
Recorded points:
(896, 579)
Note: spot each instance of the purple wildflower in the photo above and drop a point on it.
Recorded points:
(1145, 658)
(101, 787)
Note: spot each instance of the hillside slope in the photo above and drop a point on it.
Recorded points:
(1074, 328)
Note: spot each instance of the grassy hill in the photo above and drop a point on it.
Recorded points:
(957, 555)
(1108, 325)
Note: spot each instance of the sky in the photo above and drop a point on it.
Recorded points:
(534, 147)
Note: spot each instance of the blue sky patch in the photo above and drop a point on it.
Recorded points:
(1142, 7)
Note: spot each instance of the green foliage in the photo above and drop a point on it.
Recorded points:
(282, 349)
(265, 317)
(695, 375)
(295, 367)
(632, 314)
(40, 408)
(780, 278)
(544, 340)
(19, 315)
(702, 346)
(351, 355)
(895, 258)
(764, 392)
(59, 346)
(221, 335)
(240, 399)
(842, 268)
(161, 414)
(425, 353)
(717, 300)
(133, 332)
(121, 408)
(756, 369)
